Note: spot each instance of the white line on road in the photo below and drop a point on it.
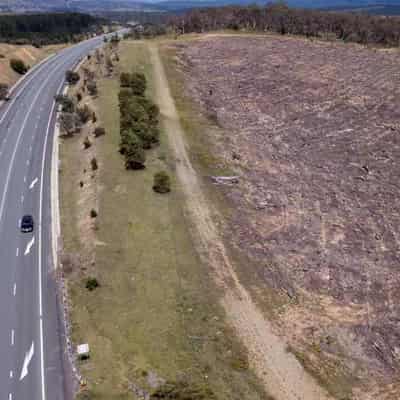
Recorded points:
(40, 248)
(22, 198)
(34, 182)
(12, 337)
(29, 246)
(27, 360)
(11, 163)
(15, 289)
(27, 161)
(10, 396)
(11, 374)
(17, 252)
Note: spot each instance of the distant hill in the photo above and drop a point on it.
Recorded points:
(390, 7)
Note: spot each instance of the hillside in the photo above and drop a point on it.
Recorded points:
(389, 7)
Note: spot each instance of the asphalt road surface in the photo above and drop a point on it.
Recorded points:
(31, 351)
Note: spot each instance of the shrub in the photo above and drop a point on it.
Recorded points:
(3, 91)
(79, 97)
(67, 104)
(69, 123)
(93, 213)
(91, 283)
(2, 56)
(93, 164)
(162, 182)
(92, 88)
(72, 77)
(182, 391)
(136, 81)
(81, 184)
(87, 143)
(125, 79)
(99, 131)
(94, 118)
(135, 156)
(18, 66)
(84, 113)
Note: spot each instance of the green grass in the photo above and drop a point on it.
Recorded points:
(156, 310)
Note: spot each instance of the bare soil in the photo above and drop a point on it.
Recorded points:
(313, 130)
(283, 376)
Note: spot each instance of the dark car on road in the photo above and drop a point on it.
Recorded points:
(27, 223)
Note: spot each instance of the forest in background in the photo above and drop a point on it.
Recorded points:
(350, 27)
(46, 28)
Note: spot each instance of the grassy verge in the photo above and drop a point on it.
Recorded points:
(155, 316)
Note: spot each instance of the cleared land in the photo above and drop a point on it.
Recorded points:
(312, 129)
(156, 314)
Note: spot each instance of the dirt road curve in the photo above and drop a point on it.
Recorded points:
(281, 373)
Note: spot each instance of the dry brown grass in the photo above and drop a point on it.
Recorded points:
(29, 54)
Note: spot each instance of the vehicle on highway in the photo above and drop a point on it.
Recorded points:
(27, 223)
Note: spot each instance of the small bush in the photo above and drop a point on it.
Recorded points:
(91, 283)
(94, 117)
(132, 149)
(18, 66)
(2, 56)
(67, 104)
(84, 113)
(3, 91)
(93, 163)
(92, 88)
(136, 81)
(72, 77)
(99, 131)
(182, 391)
(162, 182)
(69, 123)
(81, 184)
(87, 143)
(93, 213)
(79, 97)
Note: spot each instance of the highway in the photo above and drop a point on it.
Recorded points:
(31, 348)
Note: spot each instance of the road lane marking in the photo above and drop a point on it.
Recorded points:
(15, 289)
(27, 161)
(27, 360)
(10, 396)
(11, 164)
(29, 246)
(12, 337)
(40, 246)
(34, 182)
(22, 198)
(17, 252)
(11, 374)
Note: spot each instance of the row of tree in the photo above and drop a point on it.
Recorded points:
(40, 29)
(138, 120)
(278, 17)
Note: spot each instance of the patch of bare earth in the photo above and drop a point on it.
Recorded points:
(313, 130)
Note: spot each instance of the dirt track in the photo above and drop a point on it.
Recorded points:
(281, 373)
